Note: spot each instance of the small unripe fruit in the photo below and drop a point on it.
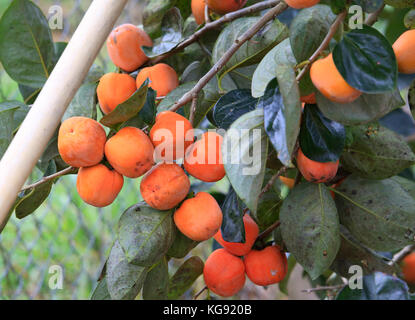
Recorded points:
(408, 268)
(172, 134)
(241, 249)
(267, 266)
(130, 152)
(301, 4)
(204, 158)
(114, 89)
(165, 186)
(199, 218)
(81, 142)
(314, 171)
(225, 6)
(162, 77)
(404, 49)
(124, 47)
(198, 10)
(224, 273)
(328, 80)
(98, 185)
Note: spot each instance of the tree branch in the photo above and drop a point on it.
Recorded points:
(272, 181)
(199, 293)
(212, 25)
(228, 54)
(373, 17)
(398, 257)
(51, 177)
(193, 110)
(264, 234)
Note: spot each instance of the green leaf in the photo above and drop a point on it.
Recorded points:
(376, 152)
(245, 150)
(233, 105)
(19, 114)
(181, 246)
(184, 277)
(406, 184)
(409, 19)
(156, 286)
(124, 280)
(101, 291)
(282, 113)
(400, 3)
(252, 51)
(369, 5)
(153, 14)
(366, 108)
(7, 126)
(84, 103)
(321, 139)
(232, 229)
(145, 234)
(353, 253)
(310, 227)
(377, 286)
(26, 46)
(128, 109)
(283, 285)
(366, 60)
(378, 213)
(308, 30)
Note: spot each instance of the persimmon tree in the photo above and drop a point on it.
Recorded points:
(330, 185)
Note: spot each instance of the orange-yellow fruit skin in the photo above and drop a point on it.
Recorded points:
(165, 186)
(198, 10)
(328, 80)
(98, 185)
(180, 135)
(224, 273)
(81, 142)
(225, 6)
(199, 218)
(404, 49)
(408, 268)
(310, 99)
(114, 89)
(204, 158)
(267, 266)
(288, 182)
(314, 171)
(162, 77)
(300, 4)
(124, 47)
(130, 152)
(241, 249)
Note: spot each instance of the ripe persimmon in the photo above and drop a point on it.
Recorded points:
(328, 80)
(198, 10)
(314, 171)
(130, 152)
(171, 135)
(225, 6)
(224, 273)
(165, 186)
(267, 266)
(404, 49)
(124, 47)
(199, 218)
(300, 4)
(408, 268)
(81, 142)
(114, 89)
(162, 77)
(98, 185)
(203, 159)
(241, 249)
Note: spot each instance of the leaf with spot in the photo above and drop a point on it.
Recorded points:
(156, 286)
(378, 213)
(310, 227)
(184, 277)
(145, 234)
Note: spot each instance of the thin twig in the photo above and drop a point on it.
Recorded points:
(398, 257)
(264, 234)
(207, 18)
(228, 54)
(199, 293)
(212, 25)
(373, 17)
(327, 288)
(51, 177)
(333, 29)
(272, 181)
(193, 110)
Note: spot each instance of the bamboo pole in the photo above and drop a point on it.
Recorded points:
(48, 109)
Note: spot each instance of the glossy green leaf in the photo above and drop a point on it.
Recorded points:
(244, 151)
(26, 46)
(310, 227)
(19, 114)
(283, 285)
(232, 228)
(7, 126)
(321, 139)
(145, 234)
(101, 291)
(153, 14)
(181, 246)
(156, 286)
(376, 152)
(366, 60)
(184, 277)
(124, 280)
(366, 108)
(84, 103)
(149, 110)
(380, 205)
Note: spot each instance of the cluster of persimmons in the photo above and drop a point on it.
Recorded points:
(165, 185)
